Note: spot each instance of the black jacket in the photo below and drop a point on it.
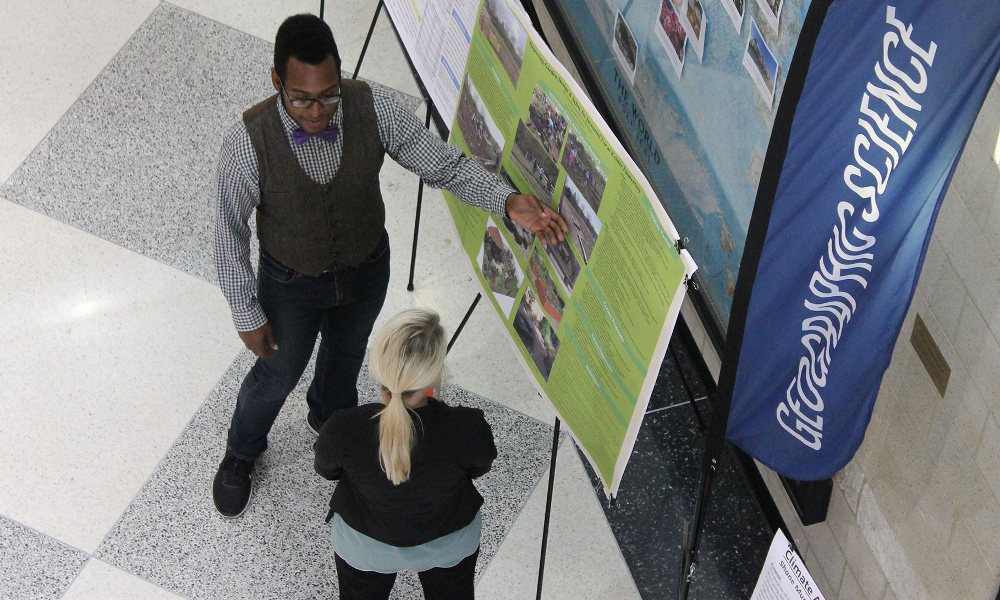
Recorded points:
(454, 446)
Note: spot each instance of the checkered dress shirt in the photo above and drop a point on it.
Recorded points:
(404, 138)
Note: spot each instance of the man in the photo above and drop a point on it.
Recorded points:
(307, 160)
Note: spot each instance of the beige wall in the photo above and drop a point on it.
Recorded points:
(916, 514)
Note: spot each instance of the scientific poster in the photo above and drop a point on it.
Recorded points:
(590, 316)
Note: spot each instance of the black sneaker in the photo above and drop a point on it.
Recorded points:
(232, 487)
(312, 423)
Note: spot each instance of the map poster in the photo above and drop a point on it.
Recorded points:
(590, 316)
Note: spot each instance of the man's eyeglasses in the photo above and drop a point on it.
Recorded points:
(307, 102)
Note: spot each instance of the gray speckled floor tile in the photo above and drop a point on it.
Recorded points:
(35, 566)
(172, 536)
(133, 160)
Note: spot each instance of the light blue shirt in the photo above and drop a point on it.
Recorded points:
(368, 554)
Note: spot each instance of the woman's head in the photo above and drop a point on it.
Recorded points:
(406, 358)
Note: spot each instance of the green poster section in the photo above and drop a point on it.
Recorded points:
(590, 315)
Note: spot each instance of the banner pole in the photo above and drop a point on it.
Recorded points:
(692, 534)
(364, 49)
(322, 4)
(420, 199)
(757, 231)
(548, 508)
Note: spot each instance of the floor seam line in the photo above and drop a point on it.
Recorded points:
(159, 463)
(80, 95)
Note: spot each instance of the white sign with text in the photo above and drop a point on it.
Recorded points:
(785, 576)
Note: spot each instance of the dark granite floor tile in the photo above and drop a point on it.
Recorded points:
(35, 566)
(657, 496)
(172, 536)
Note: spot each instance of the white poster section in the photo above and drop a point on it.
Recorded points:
(444, 31)
(785, 577)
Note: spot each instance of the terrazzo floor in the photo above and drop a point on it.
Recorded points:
(121, 364)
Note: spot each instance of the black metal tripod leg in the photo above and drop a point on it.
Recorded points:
(368, 39)
(548, 508)
(465, 320)
(416, 232)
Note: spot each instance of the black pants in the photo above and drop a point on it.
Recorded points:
(343, 307)
(453, 583)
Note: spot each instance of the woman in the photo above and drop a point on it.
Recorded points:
(405, 498)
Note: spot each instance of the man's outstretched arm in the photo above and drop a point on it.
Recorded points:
(441, 165)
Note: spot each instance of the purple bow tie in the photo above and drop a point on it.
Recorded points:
(329, 134)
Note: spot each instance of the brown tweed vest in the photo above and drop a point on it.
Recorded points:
(312, 227)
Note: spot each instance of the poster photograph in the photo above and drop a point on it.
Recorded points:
(771, 11)
(584, 226)
(523, 238)
(545, 122)
(567, 267)
(505, 35)
(499, 266)
(735, 9)
(625, 47)
(671, 34)
(759, 61)
(536, 333)
(534, 164)
(481, 134)
(694, 23)
(546, 290)
(585, 170)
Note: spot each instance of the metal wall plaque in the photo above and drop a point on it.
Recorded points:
(930, 355)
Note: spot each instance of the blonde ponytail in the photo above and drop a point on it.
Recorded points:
(407, 357)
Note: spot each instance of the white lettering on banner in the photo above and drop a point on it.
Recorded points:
(888, 106)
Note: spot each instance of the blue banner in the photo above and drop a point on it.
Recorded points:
(890, 95)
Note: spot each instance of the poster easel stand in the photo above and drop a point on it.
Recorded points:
(427, 123)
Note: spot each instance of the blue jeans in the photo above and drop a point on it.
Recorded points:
(342, 306)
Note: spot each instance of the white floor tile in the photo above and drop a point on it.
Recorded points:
(582, 560)
(107, 354)
(45, 78)
(100, 581)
